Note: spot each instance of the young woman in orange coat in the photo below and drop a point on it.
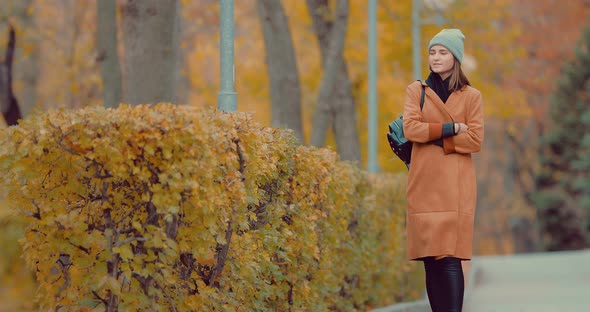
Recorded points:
(441, 193)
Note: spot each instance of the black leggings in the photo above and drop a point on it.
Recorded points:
(444, 284)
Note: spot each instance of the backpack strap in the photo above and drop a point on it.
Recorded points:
(422, 95)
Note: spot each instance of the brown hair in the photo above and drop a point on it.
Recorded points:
(458, 80)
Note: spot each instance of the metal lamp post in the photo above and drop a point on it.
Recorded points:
(226, 99)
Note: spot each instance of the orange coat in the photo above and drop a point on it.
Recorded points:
(441, 194)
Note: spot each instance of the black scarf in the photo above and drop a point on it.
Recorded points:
(441, 87)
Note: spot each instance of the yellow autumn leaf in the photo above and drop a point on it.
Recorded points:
(124, 251)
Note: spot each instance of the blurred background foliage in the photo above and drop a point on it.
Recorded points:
(534, 162)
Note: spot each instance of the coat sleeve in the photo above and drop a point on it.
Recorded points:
(415, 129)
(470, 141)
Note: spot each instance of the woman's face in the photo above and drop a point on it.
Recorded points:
(441, 61)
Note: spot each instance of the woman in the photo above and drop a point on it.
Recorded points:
(441, 193)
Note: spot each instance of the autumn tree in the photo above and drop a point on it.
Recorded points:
(281, 65)
(535, 74)
(106, 33)
(336, 104)
(563, 183)
(149, 35)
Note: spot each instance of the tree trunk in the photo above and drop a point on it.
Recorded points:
(344, 124)
(150, 51)
(8, 102)
(182, 71)
(336, 104)
(285, 91)
(26, 68)
(108, 57)
(74, 13)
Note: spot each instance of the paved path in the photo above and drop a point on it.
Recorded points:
(540, 282)
(558, 282)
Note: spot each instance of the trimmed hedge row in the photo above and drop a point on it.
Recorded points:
(180, 208)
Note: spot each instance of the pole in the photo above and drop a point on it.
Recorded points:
(226, 100)
(416, 22)
(372, 157)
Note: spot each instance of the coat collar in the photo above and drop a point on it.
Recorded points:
(434, 99)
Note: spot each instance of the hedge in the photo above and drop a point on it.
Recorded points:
(179, 208)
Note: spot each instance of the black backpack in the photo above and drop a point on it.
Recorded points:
(398, 142)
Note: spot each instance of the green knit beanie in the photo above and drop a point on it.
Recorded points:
(452, 39)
